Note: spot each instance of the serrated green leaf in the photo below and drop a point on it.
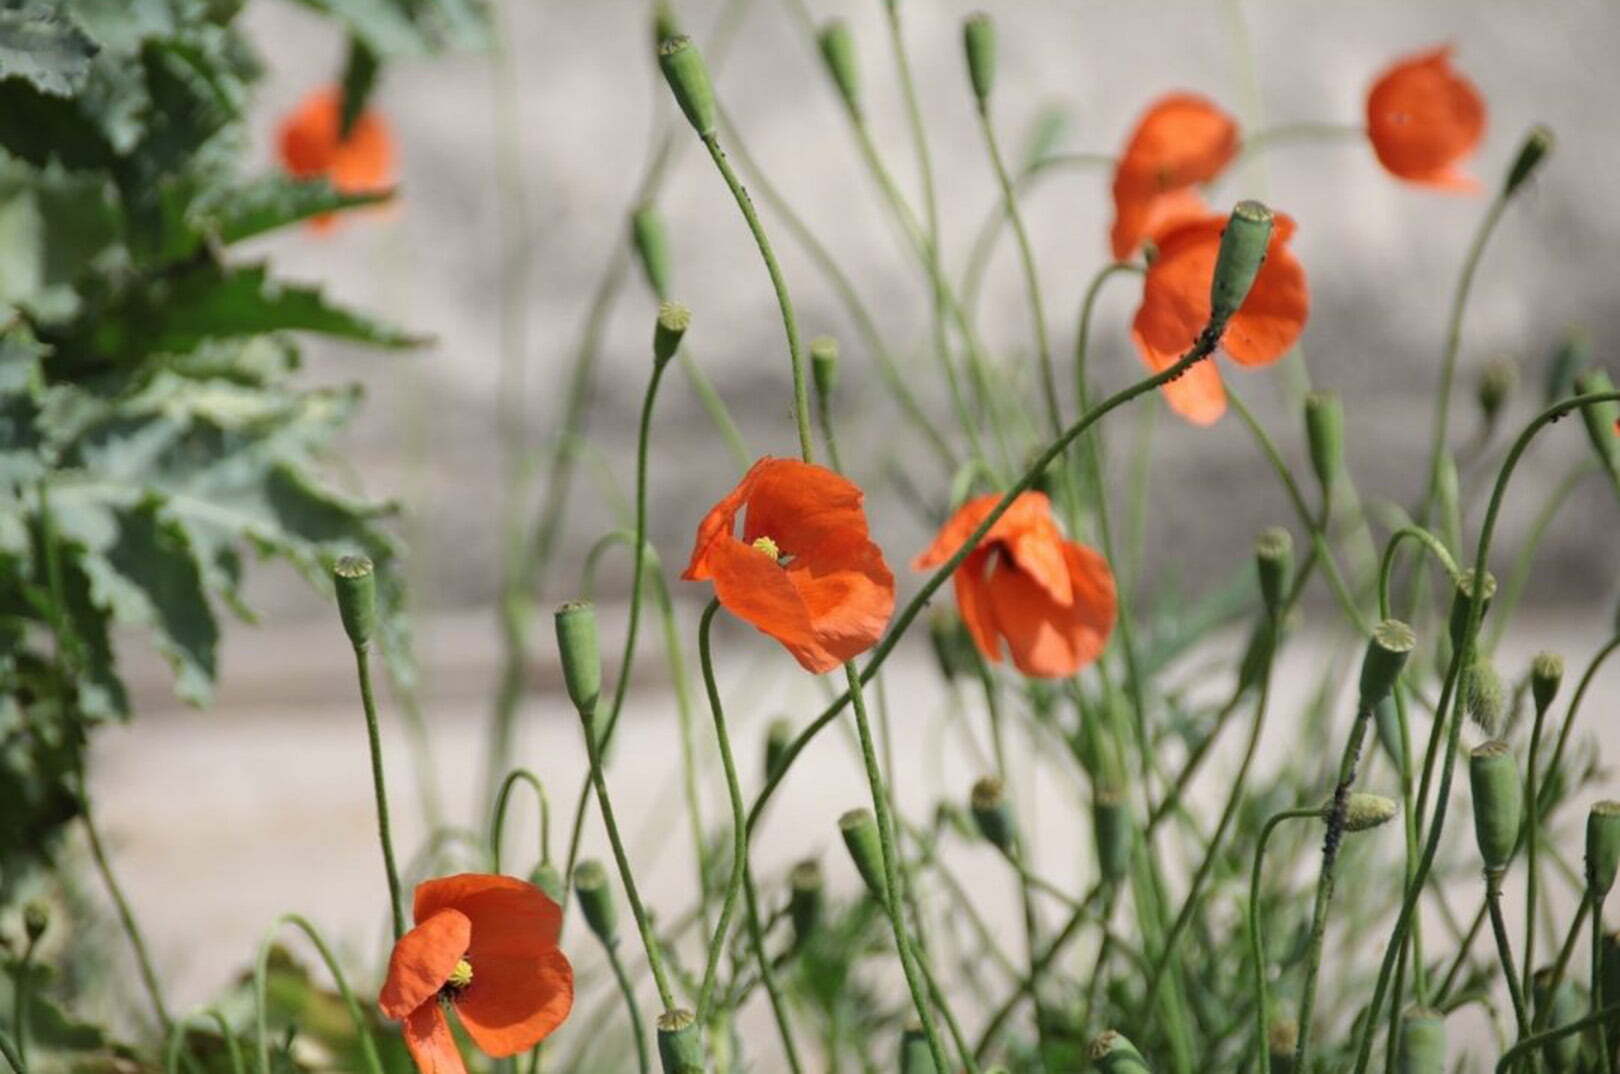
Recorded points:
(40, 128)
(234, 213)
(43, 46)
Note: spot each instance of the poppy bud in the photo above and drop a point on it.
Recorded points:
(680, 1043)
(1483, 699)
(546, 877)
(1274, 560)
(1496, 382)
(1537, 144)
(1469, 591)
(1363, 811)
(1546, 672)
(1422, 1045)
(1574, 354)
(673, 321)
(1600, 417)
(824, 364)
(979, 41)
(577, 649)
(1111, 825)
(596, 901)
(651, 240)
(1282, 1037)
(1498, 795)
(1114, 1054)
(778, 736)
(1391, 643)
(988, 803)
(838, 53)
(355, 580)
(1324, 431)
(1561, 1005)
(860, 833)
(1243, 250)
(688, 78)
(1602, 847)
(953, 649)
(37, 918)
(1388, 723)
(915, 1058)
(804, 899)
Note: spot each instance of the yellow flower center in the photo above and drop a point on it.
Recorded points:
(768, 546)
(461, 976)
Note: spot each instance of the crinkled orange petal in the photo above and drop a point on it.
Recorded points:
(1047, 639)
(428, 1039)
(1423, 117)
(798, 505)
(1028, 510)
(512, 1004)
(1039, 554)
(751, 586)
(509, 917)
(422, 960)
(848, 591)
(1181, 140)
(1197, 394)
(973, 602)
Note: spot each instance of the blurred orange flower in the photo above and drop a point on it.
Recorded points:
(487, 946)
(1052, 601)
(1175, 306)
(310, 147)
(805, 572)
(1181, 140)
(1423, 117)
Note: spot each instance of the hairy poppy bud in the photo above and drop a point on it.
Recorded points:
(673, 321)
(1388, 724)
(1111, 825)
(1422, 1045)
(860, 832)
(651, 240)
(979, 41)
(838, 53)
(988, 803)
(355, 580)
(1546, 672)
(804, 898)
(1537, 144)
(1324, 432)
(953, 648)
(778, 736)
(824, 364)
(1562, 1005)
(1600, 417)
(1496, 383)
(1483, 699)
(1274, 560)
(915, 1058)
(1113, 1053)
(1391, 643)
(680, 1042)
(36, 919)
(596, 901)
(1363, 811)
(578, 652)
(688, 78)
(1243, 250)
(1468, 592)
(1602, 847)
(1282, 1037)
(546, 877)
(1574, 354)
(1493, 778)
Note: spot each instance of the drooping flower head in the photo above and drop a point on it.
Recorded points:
(1423, 118)
(1180, 141)
(1051, 601)
(310, 146)
(1175, 306)
(804, 570)
(485, 946)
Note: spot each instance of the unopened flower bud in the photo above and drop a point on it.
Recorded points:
(778, 737)
(355, 580)
(838, 53)
(988, 803)
(1243, 250)
(651, 240)
(1496, 383)
(1324, 433)
(1602, 847)
(1537, 144)
(1113, 1053)
(1546, 672)
(578, 651)
(860, 832)
(1363, 811)
(1422, 1045)
(36, 919)
(1387, 650)
(546, 877)
(673, 321)
(1111, 826)
(1274, 561)
(915, 1058)
(824, 364)
(805, 888)
(1498, 796)
(1482, 695)
(979, 41)
(596, 901)
(680, 1042)
(688, 78)
(1469, 592)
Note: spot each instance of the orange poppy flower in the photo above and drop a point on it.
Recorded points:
(310, 147)
(1052, 601)
(487, 946)
(1175, 307)
(1423, 117)
(1180, 141)
(805, 572)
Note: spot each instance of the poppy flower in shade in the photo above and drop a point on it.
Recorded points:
(1423, 117)
(1050, 600)
(487, 947)
(310, 147)
(1180, 141)
(804, 571)
(1175, 307)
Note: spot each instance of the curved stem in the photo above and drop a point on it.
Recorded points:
(739, 817)
(497, 824)
(1257, 944)
(177, 1039)
(126, 916)
(368, 1047)
(1386, 563)
(385, 836)
(1536, 1040)
(1504, 950)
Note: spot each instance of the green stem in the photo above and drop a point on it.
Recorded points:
(177, 1039)
(368, 1047)
(1504, 950)
(22, 984)
(1513, 587)
(1609, 1060)
(497, 824)
(739, 825)
(1257, 944)
(1530, 1043)
(767, 974)
(126, 916)
(9, 1050)
(385, 836)
(638, 1027)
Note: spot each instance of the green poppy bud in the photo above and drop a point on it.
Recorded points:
(1387, 721)
(988, 803)
(673, 321)
(915, 1058)
(1387, 650)
(1467, 593)
(1243, 250)
(1498, 802)
(651, 241)
(1561, 1005)
(1324, 433)
(1482, 695)
(36, 919)
(838, 53)
(805, 886)
(1113, 1053)
(355, 580)
(1274, 561)
(1111, 825)
(1574, 354)
(824, 364)
(979, 41)
(860, 832)
(688, 78)
(1363, 811)
(953, 647)
(1602, 847)
(1546, 673)
(1600, 417)
(1422, 1045)
(596, 901)
(778, 737)
(577, 649)
(1496, 383)
(1537, 144)
(546, 877)
(680, 1043)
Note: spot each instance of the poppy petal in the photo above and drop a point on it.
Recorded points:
(1181, 140)
(1039, 554)
(1046, 639)
(1028, 509)
(756, 590)
(799, 505)
(973, 602)
(719, 524)
(848, 592)
(1274, 313)
(428, 1039)
(509, 917)
(513, 1004)
(422, 960)
(1423, 117)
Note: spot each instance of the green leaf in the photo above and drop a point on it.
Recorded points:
(44, 47)
(359, 79)
(232, 214)
(40, 128)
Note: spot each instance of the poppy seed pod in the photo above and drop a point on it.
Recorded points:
(1243, 250)
(988, 803)
(1546, 673)
(1600, 417)
(1498, 795)
(778, 737)
(805, 887)
(1324, 432)
(1602, 847)
(596, 901)
(1422, 1045)
(838, 53)
(915, 1058)
(577, 650)
(680, 1042)
(824, 364)
(1483, 698)
(673, 321)
(1274, 561)
(979, 41)
(1113, 1053)
(1467, 592)
(688, 78)
(1496, 383)
(651, 241)
(1111, 824)
(1563, 1005)
(355, 580)
(36, 919)
(1363, 811)
(860, 832)
(1537, 144)
(546, 877)
(1391, 643)
(1574, 354)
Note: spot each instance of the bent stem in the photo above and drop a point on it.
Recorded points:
(368, 1047)
(177, 1039)
(739, 816)
(1257, 944)
(497, 823)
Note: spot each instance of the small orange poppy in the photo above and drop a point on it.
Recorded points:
(805, 572)
(486, 946)
(1051, 600)
(1423, 117)
(1181, 140)
(1175, 307)
(310, 147)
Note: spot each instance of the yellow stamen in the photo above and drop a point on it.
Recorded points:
(768, 546)
(461, 976)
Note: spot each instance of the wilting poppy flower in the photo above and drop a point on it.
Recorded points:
(487, 947)
(1051, 600)
(1423, 117)
(1180, 141)
(1175, 307)
(310, 147)
(805, 572)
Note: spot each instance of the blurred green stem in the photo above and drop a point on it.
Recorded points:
(739, 816)
(497, 824)
(261, 965)
(379, 786)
